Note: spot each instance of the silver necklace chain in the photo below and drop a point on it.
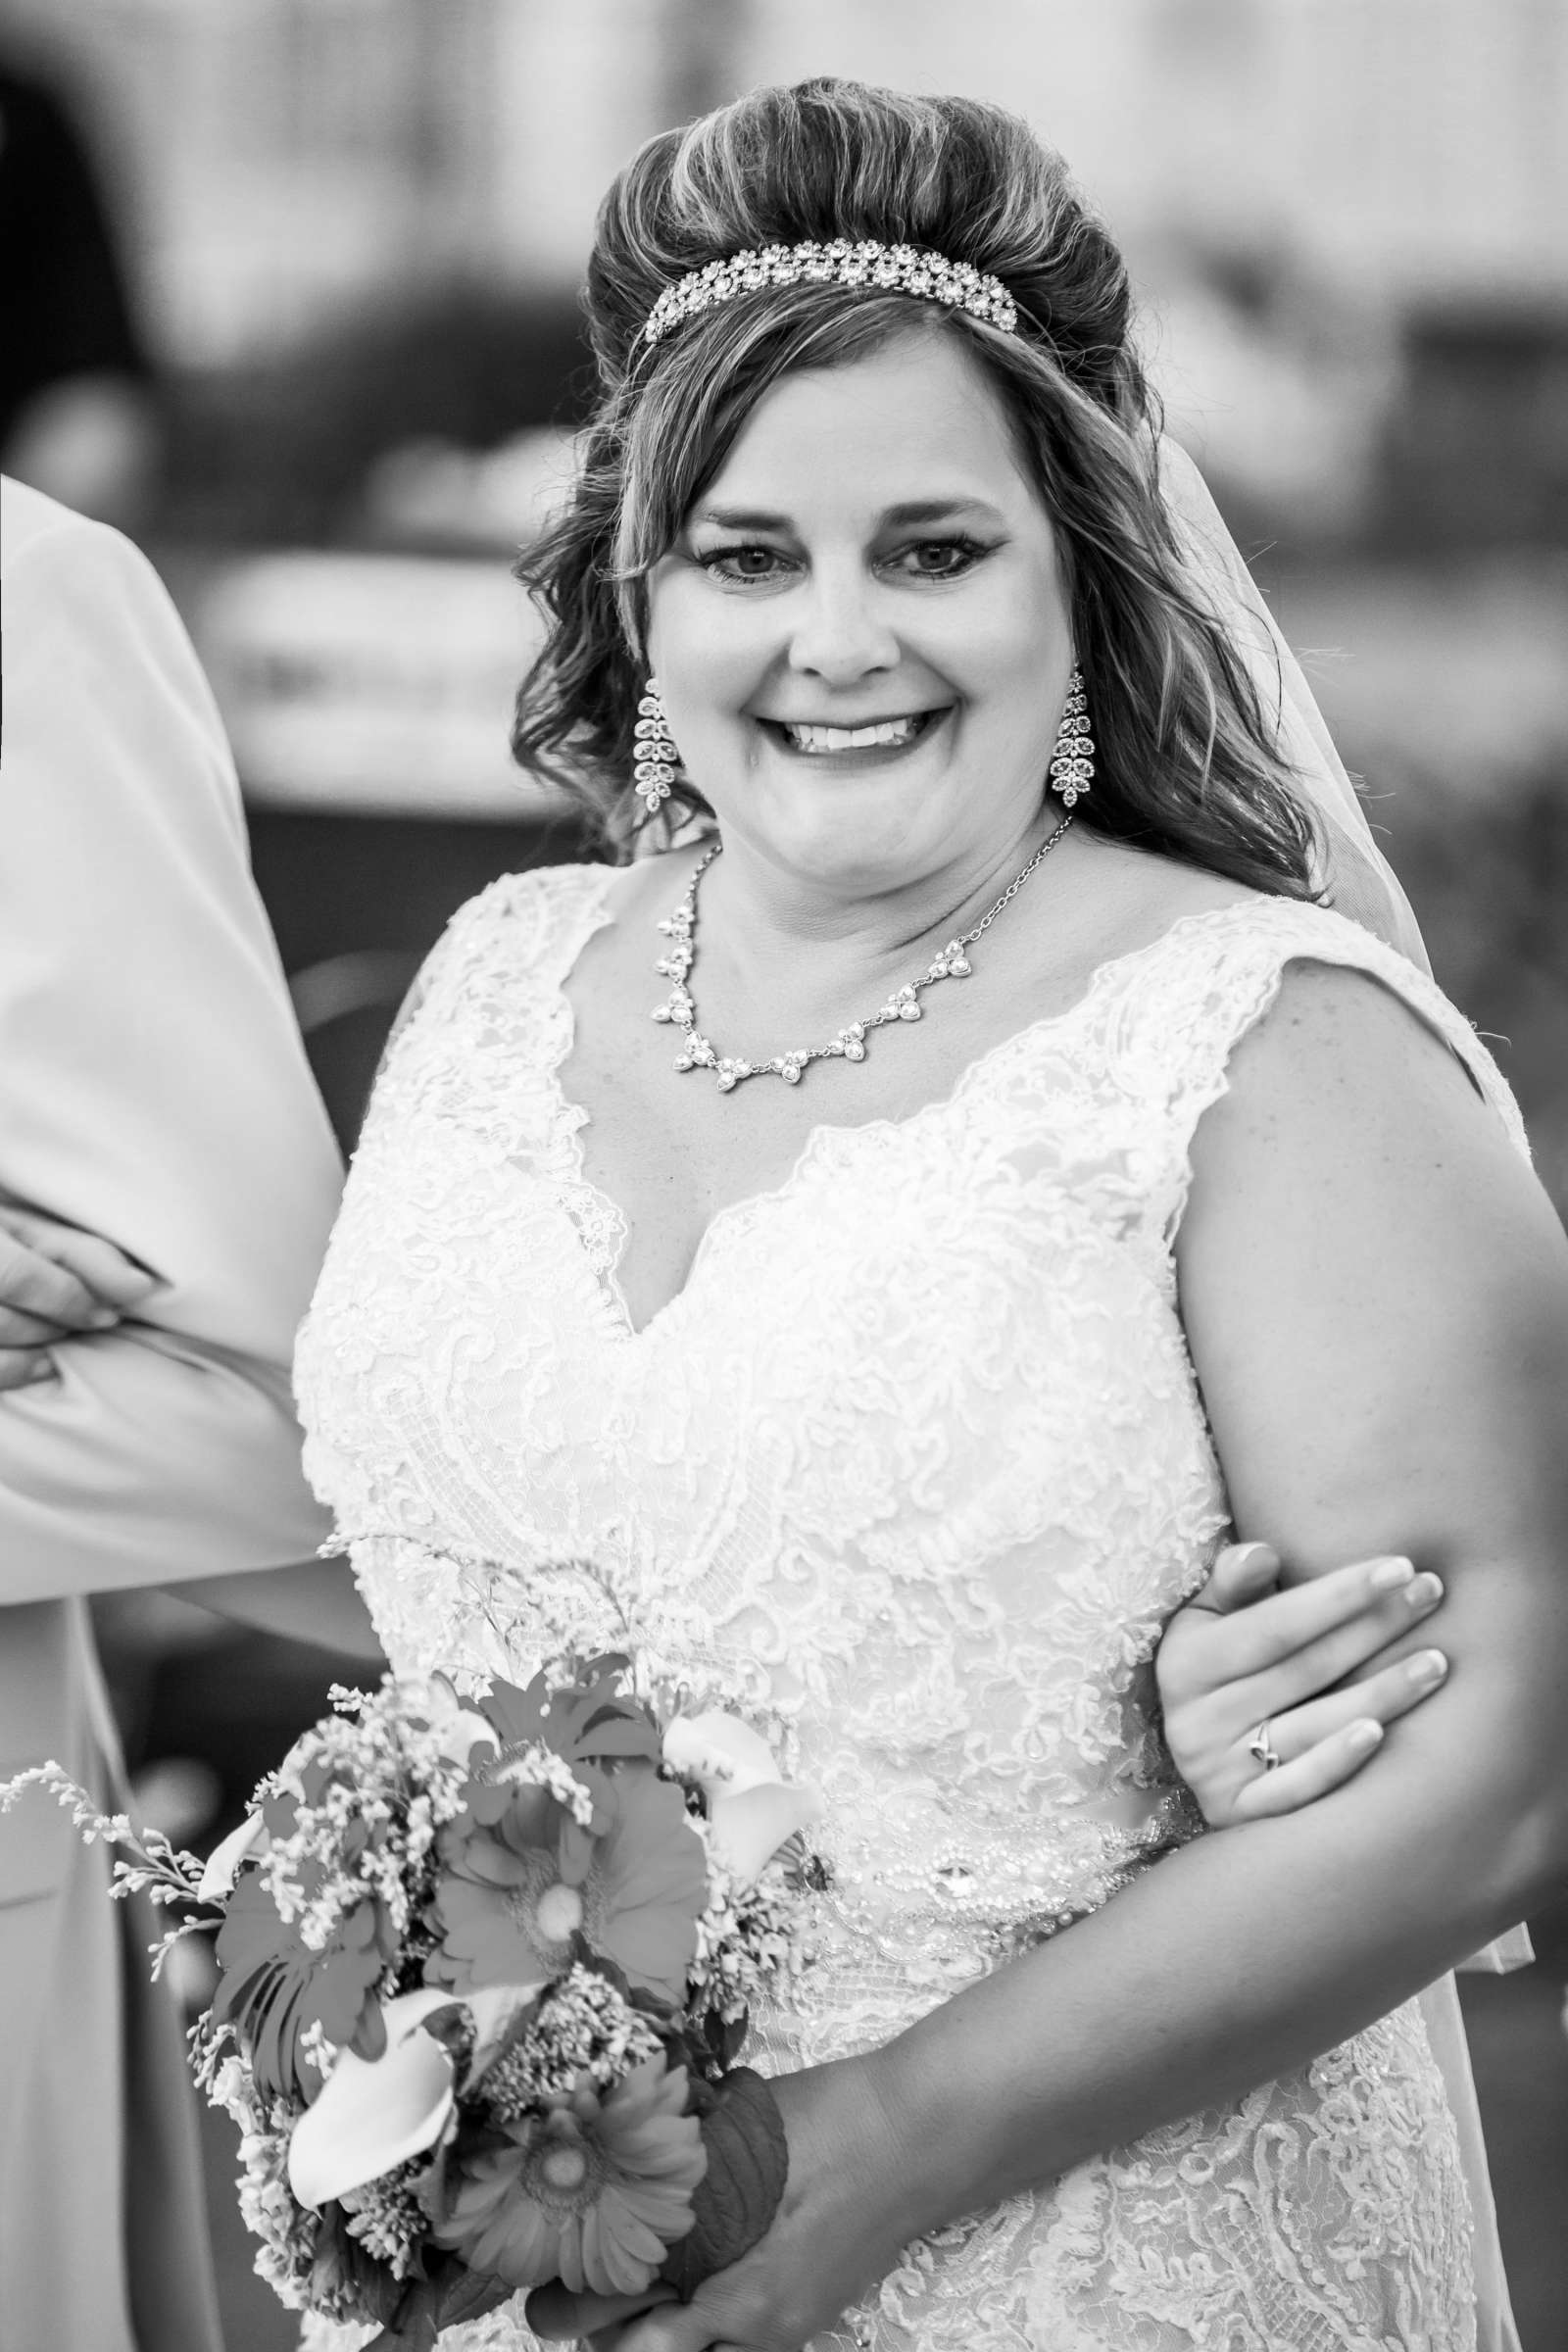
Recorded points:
(698, 1053)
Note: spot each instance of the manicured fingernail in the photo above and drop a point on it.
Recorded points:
(1427, 1669)
(1363, 1737)
(1389, 1575)
(1423, 1592)
(103, 1317)
(43, 1371)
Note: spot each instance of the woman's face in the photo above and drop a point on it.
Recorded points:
(862, 636)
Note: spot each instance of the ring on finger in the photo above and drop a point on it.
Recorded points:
(1261, 1748)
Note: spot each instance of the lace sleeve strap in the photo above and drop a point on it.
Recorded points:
(532, 921)
(1213, 977)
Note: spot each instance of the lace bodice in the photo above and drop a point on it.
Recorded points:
(913, 1467)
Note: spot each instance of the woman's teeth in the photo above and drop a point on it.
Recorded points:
(889, 733)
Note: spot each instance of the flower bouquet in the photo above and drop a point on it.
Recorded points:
(484, 1972)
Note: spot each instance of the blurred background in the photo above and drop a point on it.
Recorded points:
(291, 291)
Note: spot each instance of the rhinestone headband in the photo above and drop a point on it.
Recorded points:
(889, 269)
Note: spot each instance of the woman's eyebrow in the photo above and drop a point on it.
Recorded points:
(939, 510)
(743, 519)
(900, 516)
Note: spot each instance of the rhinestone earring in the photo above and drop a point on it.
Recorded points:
(1073, 763)
(656, 758)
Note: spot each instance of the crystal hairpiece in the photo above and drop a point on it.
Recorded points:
(887, 269)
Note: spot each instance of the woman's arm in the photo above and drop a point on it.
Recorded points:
(1376, 1296)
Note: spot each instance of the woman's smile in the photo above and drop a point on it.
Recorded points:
(853, 743)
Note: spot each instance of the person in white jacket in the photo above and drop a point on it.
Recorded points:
(161, 1135)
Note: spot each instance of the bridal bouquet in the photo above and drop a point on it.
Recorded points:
(485, 1969)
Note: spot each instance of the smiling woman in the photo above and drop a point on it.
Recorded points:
(1116, 1194)
(819, 593)
(1188, 762)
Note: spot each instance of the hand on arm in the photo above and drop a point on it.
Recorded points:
(58, 1283)
(1243, 1655)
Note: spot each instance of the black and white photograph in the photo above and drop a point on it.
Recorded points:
(783, 1157)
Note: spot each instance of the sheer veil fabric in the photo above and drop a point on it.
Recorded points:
(1358, 879)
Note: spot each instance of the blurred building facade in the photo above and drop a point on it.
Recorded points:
(280, 154)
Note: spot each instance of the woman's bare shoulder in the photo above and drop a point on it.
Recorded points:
(1146, 892)
(1132, 897)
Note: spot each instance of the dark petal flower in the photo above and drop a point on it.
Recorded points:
(520, 1814)
(593, 2194)
(495, 1935)
(587, 1718)
(503, 1909)
(272, 1987)
(511, 1912)
(653, 1871)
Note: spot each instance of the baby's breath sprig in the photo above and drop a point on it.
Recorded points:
(750, 1939)
(541, 1768)
(286, 2230)
(149, 1863)
(365, 1795)
(582, 2027)
(388, 2218)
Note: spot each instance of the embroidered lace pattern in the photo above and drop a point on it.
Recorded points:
(914, 1468)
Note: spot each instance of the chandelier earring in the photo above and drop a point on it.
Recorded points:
(1072, 754)
(656, 759)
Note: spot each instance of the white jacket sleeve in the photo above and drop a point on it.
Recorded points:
(153, 1089)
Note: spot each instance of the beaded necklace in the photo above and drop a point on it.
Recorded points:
(697, 1052)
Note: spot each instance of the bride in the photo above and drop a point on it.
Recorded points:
(1025, 1177)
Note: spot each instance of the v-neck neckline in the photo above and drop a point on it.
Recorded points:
(568, 1119)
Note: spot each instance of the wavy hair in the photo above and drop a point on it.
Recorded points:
(1186, 761)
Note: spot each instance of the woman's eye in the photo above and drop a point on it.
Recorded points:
(922, 558)
(940, 558)
(743, 562)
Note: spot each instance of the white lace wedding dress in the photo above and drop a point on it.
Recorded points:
(914, 1467)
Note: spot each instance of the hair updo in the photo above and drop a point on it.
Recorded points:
(1185, 758)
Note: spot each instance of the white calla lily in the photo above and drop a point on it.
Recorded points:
(248, 1840)
(752, 1809)
(723, 1755)
(375, 2113)
(747, 1830)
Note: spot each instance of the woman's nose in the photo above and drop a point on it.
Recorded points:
(840, 635)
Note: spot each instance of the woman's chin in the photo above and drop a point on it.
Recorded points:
(851, 823)
(858, 852)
